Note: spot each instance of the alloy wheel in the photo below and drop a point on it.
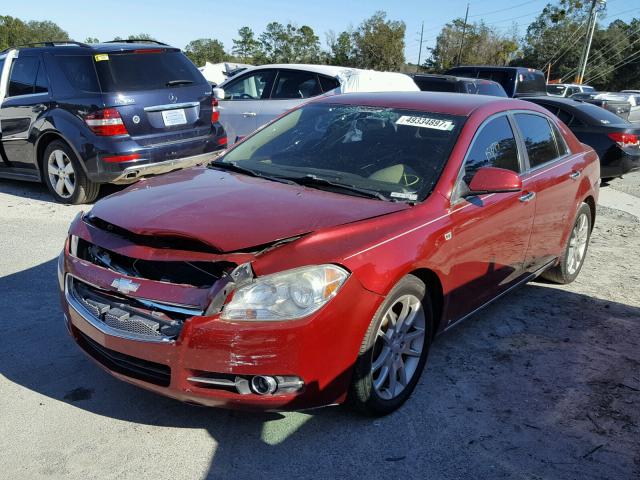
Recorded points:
(62, 175)
(398, 347)
(577, 244)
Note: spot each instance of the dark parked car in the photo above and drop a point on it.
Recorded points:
(75, 115)
(450, 83)
(615, 140)
(618, 107)
(516, 81)
(317, 259)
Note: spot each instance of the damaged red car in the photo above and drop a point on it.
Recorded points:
(316, 260)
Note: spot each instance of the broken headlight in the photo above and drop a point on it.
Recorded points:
(287, 295)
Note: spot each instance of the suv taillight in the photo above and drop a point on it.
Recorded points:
(106, 122)
(215, 113)
(625, 139)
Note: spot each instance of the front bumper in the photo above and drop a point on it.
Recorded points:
(320, 349)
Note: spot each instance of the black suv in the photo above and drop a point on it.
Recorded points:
(516, 81)
(449, 83)
(75, 115)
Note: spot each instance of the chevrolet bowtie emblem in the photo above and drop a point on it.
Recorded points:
(125, 286)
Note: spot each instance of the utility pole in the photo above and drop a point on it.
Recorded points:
(596, 6)
(464, 30)
(420, 50)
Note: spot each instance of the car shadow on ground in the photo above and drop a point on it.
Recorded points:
(38, 191)
(503, 395)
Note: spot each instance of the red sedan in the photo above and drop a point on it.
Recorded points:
(317, 259)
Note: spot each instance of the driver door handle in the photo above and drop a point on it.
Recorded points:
(575, 174)
(527, 197)
(249, 114)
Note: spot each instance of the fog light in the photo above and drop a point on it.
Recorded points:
(263, 385)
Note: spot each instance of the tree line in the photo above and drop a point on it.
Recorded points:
(552, 42)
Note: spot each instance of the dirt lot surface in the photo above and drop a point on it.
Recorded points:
(544, 384)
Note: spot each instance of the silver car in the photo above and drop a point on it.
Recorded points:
(260, 94)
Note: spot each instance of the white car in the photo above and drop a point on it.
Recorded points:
(259, 94)
(567, 89)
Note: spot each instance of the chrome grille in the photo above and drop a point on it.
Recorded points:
(122, 320)
(113, 314)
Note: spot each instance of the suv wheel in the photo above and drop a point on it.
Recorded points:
(64, 176)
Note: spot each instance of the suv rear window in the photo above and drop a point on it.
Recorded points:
(152, 70)
(530, 82)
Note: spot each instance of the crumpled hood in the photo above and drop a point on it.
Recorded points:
(231, 211)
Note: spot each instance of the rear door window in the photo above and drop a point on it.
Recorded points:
(328, 83)
(146, 69)
(538, 138)
(565, 116)
(23, 76)
(79, 72)
(42, 83)
(296, 84)
(253, 86)
(494, 146)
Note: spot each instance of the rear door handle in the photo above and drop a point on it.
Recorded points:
(575, 174)
(527, 197)
(249, 114)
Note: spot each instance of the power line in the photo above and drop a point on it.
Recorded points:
(627, 37)
(636, 56)
(601, 63)
(557, 56)
(537, 12)
(503, 9)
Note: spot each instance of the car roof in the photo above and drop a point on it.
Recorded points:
(451, 78)
(80, 48)
(440, 102)
(556, 100)
(330, 70)
(584, 110)
(496, 68)
(567, 85)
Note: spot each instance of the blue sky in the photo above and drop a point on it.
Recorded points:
(178, 22)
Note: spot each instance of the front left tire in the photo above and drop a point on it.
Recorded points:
(394, 350)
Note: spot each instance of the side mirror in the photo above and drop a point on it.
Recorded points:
(495, 180)
(218, 93)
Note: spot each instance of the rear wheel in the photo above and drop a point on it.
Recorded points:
(394, 350)
(576, 250)
(64, 176)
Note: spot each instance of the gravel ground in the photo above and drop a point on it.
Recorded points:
(544, 384)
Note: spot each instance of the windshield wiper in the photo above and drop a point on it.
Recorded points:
(234, 167)
(310, 180)
(173, 83)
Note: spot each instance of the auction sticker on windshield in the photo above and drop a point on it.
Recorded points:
(425, 122)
